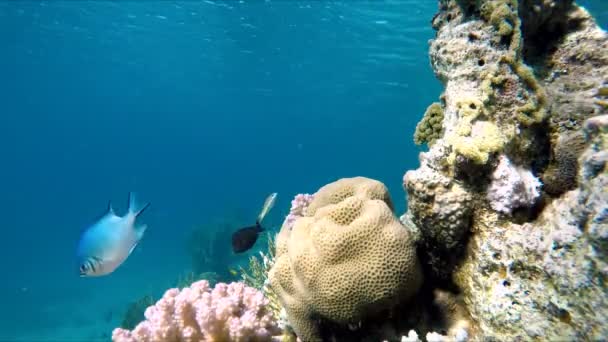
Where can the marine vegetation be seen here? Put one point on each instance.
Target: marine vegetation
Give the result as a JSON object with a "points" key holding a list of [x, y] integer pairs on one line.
{"points": [[135, 312], [209, 249], [256, 274]]}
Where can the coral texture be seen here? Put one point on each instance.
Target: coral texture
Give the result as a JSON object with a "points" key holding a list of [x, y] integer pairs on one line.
{"points": [[438, 205], [227, 312], [299, 203], [521, 78], [544, 279], [512, 187], [348, 257], [561, 174], [430, 127]]}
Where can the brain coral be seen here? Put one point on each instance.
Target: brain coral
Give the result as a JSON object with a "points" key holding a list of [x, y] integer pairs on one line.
{"points": [[562, 172], [347, 257]]}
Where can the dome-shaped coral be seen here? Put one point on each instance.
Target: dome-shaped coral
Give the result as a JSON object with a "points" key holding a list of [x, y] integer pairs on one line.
{"points": [[430, 127], [348, 257]]}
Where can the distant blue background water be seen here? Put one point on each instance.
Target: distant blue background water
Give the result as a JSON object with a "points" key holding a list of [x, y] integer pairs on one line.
{"points": [[203, 108]]}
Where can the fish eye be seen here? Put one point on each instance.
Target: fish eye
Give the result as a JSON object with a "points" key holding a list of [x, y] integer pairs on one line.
{"points": [[83, 268]]}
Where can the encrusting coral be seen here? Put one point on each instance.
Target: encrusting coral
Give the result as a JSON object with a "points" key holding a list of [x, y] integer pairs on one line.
{"points": [[561, 174], [512, 187], [544, 279], [346, 258]]}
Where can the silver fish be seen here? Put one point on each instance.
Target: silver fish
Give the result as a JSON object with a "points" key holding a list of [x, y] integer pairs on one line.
{"points": [[106, 244]]}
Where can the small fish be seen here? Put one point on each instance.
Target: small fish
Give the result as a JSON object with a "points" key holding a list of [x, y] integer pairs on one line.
{"points": [[244, 238], [108, 242]]}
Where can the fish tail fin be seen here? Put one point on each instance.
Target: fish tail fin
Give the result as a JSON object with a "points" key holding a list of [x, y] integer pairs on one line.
{"points": [[258, 225], [268, 204], [133, 208]]}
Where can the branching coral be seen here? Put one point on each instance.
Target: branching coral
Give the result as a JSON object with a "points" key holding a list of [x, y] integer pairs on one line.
{"points": [[227, 312]]}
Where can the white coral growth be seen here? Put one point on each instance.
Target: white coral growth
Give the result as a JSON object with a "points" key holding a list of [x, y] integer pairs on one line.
{"points": [[512, 187]]}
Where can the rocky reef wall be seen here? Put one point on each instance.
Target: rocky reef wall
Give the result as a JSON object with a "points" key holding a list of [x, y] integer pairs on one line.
{"points": [[511, 200]]}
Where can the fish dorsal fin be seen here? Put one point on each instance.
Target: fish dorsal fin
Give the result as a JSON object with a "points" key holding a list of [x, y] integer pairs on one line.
{"points": [[268, 204]]}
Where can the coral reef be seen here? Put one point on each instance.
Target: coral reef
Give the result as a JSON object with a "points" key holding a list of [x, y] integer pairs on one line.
{"points": [[561, 174], [511, 200], [347, 258], [204, 243], [298, 205], [545, 279], [430, 128], [506, 233], [227, 312], [135, 312], [440, 208], [256, 275], [512, 187]]}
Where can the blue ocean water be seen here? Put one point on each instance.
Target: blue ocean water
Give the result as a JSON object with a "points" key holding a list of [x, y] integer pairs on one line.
{"points": [[203, 108]]}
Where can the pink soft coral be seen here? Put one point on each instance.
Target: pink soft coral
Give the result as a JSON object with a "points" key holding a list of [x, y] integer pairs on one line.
{"points": [[227, 312]]}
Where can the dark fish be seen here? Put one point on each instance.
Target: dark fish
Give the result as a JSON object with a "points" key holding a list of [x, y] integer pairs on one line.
{"points": [[244, 238]]}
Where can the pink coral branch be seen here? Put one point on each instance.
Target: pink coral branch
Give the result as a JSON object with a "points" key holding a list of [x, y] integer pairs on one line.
{"points": [[227, 312]]}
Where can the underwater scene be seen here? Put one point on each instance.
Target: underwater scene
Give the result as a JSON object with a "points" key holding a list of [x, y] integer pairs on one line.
{"points": [[285, 170]]}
